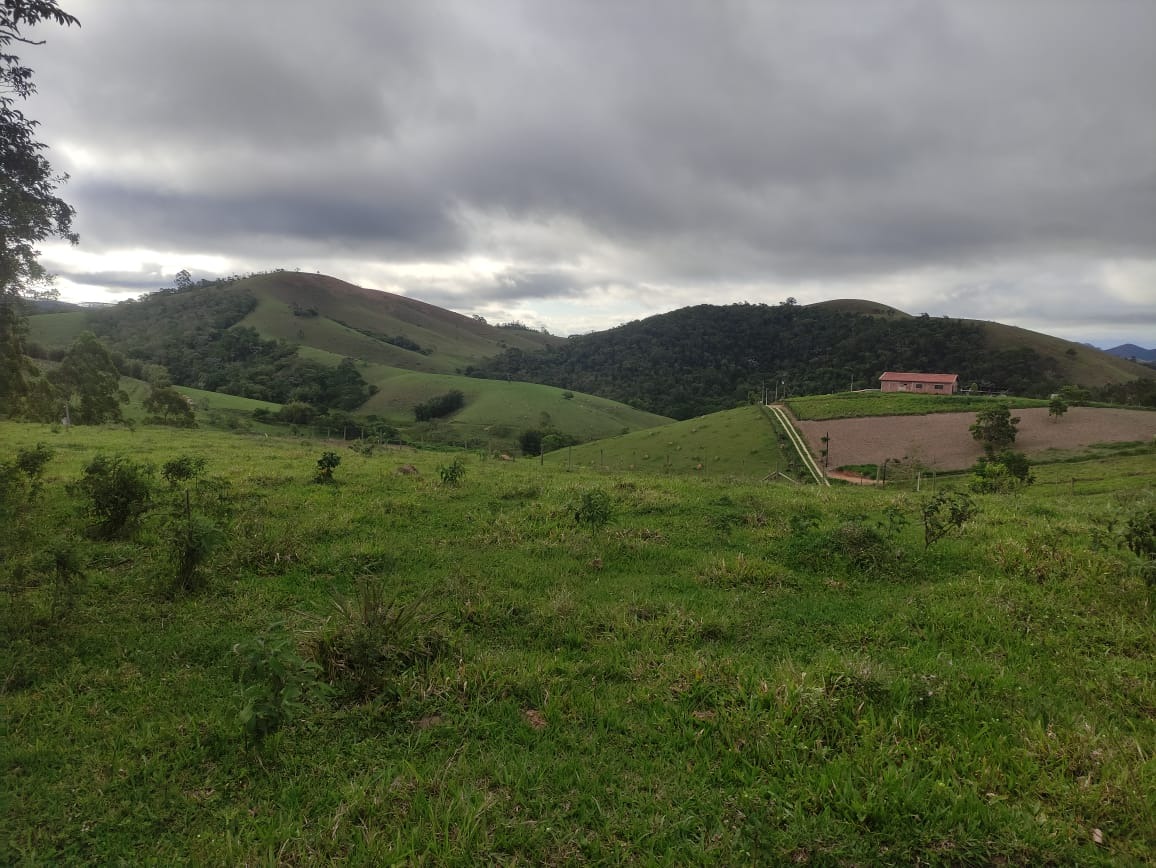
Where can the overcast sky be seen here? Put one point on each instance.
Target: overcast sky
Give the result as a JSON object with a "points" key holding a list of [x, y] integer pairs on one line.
{"points": [[580, 164]]}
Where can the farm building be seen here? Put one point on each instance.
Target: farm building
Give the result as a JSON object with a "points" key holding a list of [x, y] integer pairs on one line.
{"points": [[928, 384]]}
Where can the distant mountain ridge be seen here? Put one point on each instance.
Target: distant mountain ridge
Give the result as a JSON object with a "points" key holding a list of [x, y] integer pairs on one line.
{"points": [[684, 363], [1131, 351]]}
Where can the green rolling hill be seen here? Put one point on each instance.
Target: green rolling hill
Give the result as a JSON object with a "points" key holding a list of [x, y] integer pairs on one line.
{"points": [[742, 442], [272, 336], [705, 358], [407, 350]]}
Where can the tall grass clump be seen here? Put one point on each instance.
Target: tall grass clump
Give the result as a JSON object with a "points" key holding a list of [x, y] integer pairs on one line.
{"points": [[370, 638]]}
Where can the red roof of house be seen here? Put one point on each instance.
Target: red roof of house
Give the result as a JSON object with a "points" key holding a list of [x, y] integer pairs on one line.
{"points": [[919, 378]]}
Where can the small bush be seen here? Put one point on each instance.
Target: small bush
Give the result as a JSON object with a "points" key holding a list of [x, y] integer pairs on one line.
{"points": [[182, 469], [275, 682], [31, 462], [190, 540], [1138, 535], [362, 447], [453, 473], [1001, 474], [119, 493], [594, 509], [861, 544], [946, 512], [326, 464], [369, 640], [20, 478]]}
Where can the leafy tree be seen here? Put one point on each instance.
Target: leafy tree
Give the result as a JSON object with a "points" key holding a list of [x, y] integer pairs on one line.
{"points": [[88, 376], [1074, 394], [1057, 408], [183, 280], [530, 441], [30, 210], [995, 428], [945, 512], [170, 407]]}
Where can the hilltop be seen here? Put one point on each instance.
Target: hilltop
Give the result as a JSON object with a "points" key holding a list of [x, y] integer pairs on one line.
{"points": [[681, 364], [288, 336], [701, 359]]}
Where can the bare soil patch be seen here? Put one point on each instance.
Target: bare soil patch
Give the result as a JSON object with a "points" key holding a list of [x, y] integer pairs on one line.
{"points": [[943, 441]]}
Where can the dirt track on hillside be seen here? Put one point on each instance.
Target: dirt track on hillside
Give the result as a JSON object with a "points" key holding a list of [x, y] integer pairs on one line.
{"points": [[943, 441]]}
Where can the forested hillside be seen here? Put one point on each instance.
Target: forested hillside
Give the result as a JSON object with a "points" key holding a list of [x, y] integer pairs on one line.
{"points": [[702, 359], [191, 334]]}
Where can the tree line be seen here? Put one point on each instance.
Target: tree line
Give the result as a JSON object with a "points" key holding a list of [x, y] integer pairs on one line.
{"points": [[702, 359]]}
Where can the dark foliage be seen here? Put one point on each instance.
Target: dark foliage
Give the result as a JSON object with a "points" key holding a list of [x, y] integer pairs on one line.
{"points": [[1135, 393], [439, 406], [194, 334], [995, 429], [118, 492], [30, 210], [707, 358]]}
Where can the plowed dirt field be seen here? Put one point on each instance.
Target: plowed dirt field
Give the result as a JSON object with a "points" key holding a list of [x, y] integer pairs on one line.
{"points": [[943, 441]]}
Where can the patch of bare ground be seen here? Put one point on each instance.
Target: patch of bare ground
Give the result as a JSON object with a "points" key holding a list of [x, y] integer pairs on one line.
{"points": [[943, 441]]}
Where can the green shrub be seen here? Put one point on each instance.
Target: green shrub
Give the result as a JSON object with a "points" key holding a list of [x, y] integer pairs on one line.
{"points": [[20, 478], [1001, 474], [594, 509], [439, 406], [1138, 535], [946, 512], [119, 493], [326, 464], [182, 469], [452, 474], [862, 545], [190, 540], [275, 682], [31, 462]]}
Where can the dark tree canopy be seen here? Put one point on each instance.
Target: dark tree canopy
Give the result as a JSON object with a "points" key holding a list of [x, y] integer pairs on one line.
{"points": [[89, 381], [30, 210]]}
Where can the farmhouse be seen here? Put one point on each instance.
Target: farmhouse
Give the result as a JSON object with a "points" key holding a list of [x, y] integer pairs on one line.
{"points": [[929, 384]]}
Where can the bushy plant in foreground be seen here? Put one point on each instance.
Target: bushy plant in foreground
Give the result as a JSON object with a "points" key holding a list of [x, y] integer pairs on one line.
{"points": [[20, 478], [594, 509], [370, 639], [275, 682], [452, 473], [1138, 535], [947, 512], [118, 491], [190, 539]]}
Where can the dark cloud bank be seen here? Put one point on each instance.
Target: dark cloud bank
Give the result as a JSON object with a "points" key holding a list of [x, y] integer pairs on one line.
{"points": [[964, 157]]}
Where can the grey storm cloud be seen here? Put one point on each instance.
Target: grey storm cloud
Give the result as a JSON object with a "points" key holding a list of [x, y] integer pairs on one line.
{"points": [[689, 144]]}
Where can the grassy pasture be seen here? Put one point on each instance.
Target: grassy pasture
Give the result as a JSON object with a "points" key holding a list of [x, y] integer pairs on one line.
{"points": [[57, 330], [725, 671], [498, 404], [846, 405], [740, 442]]}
